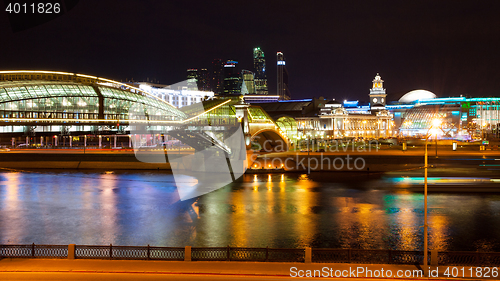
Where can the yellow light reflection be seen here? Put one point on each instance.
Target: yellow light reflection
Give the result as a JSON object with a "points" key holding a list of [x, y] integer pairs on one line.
{"points": [[109, 218], [407, 219], [438, 227], [269, 183], [255, 183], [12, 185], [304, 221], [282, 183]]}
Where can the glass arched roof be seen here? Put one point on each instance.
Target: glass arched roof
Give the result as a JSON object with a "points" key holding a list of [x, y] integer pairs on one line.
{"points": [[68, 89]]}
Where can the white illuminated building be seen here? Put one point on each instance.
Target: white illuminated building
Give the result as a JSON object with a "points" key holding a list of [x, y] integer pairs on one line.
{"points": [[417, 95], [177, 94]]}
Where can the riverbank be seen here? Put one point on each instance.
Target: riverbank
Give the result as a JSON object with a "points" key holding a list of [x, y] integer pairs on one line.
{"points": [[76, 159], [383, 160]]}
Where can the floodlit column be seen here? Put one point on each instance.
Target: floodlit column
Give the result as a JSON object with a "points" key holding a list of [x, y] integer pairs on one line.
{"points": [[41, 141], [85, 141], [55, 138], [115, 142], [129, 141], [100, 141], [70, 141]]}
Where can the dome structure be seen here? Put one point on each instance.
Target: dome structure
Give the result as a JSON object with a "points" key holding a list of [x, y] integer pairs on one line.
{"points": [[416, 95]]}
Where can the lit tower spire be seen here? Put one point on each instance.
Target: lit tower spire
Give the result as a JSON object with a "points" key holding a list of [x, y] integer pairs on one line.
{"points": [[283, 90], [377, 94], [378, 82]]}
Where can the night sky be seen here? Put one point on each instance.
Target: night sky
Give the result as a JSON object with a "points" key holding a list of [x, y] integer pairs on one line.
{"points": [[333, 48]]}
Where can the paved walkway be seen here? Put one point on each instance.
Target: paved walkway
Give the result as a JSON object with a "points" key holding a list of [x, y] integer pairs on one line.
{"points": [[10, 268]]}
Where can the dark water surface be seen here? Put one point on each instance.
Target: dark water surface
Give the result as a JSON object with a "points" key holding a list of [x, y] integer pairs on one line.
{"points": [[319, 210]]}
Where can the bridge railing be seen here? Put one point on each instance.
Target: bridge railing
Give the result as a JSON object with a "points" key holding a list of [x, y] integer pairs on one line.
{"points": [[34, 251], [363, 256], [247, 254]]}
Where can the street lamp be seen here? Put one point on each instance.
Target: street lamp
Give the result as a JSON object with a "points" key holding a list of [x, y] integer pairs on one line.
{"points": [[435, 123]]}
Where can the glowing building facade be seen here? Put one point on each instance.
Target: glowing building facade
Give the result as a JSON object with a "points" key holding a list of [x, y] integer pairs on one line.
{"points": [[38, 107], [248, 85], [232, 79], [178, 96], [192, 79], [259, 63]]}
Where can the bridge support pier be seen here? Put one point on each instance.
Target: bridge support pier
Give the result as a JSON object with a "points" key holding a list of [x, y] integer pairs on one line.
{"points": [[208, 160]]}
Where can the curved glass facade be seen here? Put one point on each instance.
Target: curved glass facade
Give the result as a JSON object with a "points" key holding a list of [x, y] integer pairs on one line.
{"points": [[288, 125], [39, 99]]}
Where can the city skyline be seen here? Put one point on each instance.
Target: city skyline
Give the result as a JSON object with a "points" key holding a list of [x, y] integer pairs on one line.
{"points": [[446, 47], [236, 79], [166, 138]]}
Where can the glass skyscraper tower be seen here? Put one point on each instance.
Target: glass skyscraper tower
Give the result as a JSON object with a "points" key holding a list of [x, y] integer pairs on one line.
{"points": [[259, 63], [217, 83], [232, 81]]}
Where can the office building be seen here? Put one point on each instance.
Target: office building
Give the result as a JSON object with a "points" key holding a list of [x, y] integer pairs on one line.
{"points": [[232, 79], [192, 79], [217, 79], [282, 85], [259, 64], [248, 85], [203, 80]]}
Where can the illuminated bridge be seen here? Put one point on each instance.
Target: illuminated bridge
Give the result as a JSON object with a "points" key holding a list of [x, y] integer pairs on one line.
{"points": [[47, 108]]}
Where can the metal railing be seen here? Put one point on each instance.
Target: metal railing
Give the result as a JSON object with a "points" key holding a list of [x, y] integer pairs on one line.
{"points": [[469, 258], [129, 252], [247, 254], [366, 256], [34, 251], [244, 254]]}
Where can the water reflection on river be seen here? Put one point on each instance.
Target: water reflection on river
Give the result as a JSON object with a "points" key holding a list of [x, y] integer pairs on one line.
{"points": [[320, 210]]}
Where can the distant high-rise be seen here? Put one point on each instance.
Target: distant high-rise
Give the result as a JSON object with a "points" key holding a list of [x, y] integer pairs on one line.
{"points": [[203, 80], [192, 79], [232, 85], [259, 63], [248, 85], [217, 79], [283, 90]]}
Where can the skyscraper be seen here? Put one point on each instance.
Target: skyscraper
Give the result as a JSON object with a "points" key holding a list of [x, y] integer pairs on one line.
{"points": [[203, 80], [232, 81], [248, 84], [283, 90], [259, 63], [192, 79], [217, 79]]}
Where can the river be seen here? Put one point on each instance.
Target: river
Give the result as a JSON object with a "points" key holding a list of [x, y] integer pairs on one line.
{"points": [[320, 210]]}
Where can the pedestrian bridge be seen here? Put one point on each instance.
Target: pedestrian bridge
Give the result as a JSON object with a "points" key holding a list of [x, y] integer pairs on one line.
{"points": [[223, 117]]}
